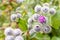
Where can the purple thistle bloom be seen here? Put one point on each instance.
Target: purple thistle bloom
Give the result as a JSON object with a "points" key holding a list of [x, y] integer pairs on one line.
{"points": [[42, 19]]}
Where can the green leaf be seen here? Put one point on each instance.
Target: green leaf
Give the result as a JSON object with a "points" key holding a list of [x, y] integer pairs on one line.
{"points": [[55, 38], [46, 37], [33, 39], [40, 36], [22, 24], [3, 7], [55, 20], [2, 19]]}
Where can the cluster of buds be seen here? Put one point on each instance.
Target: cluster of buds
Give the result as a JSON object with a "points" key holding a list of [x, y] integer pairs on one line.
{"points": [[13, 34], [38, 21], [15, 16], [38, 24], [45, 9]]}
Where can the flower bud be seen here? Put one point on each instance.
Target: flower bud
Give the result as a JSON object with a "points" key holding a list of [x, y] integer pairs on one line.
{"points": [[19, 38], [32, 31], [52, 11], [37, 28], [47, 29], [35, 17], [30, 21], [29, 26], [13, 17], [19, 15], [9, 38], [37, 8], [17, 32], [8, 31], [45, 9]]}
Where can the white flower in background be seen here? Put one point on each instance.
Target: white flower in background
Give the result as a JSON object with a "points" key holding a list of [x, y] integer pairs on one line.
{"points": [[37, 8], [45, 9], [46, 4], [8, 31], [19, 1], [35, 17], [13, 17], [19, 38], [47, 29], [19, 15], [32, 31], [37, 28], [17, 32], [30, 21], [52, 11], [9, 38]]}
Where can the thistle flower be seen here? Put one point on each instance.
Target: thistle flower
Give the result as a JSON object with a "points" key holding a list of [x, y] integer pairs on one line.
{"points": [[19, 38], [47, 29], [52, 11], [13, 17], [17, 32], [46, 4], [45, 9], [30, 21], [37, 28], [37, 8], [8, 31], [35, 17], [9, 38], [19, 1], [42, 19], [18, 15]]}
